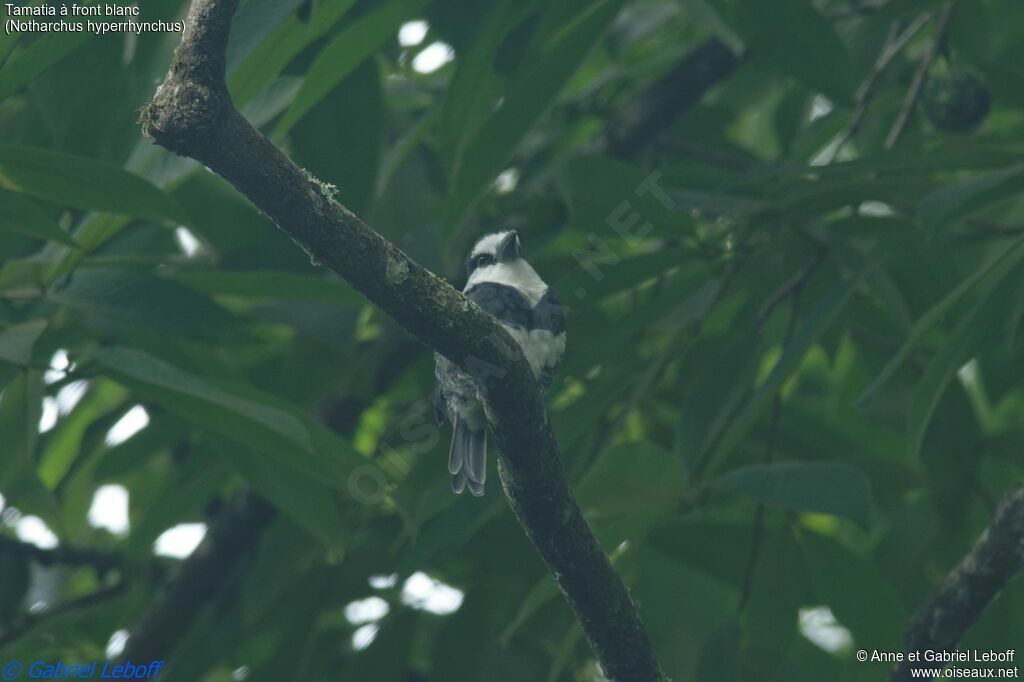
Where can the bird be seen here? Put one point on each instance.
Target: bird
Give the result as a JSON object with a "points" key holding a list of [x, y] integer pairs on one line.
{"points": [[500, 281]]}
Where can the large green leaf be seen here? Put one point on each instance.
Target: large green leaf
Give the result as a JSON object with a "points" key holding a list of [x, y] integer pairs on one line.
{"points": [[792, 35], [308, 501], [825, 487], [629, 489], [983, 322], [960, 199], [475, 84], [42, 54], [343, 54], [236, 412], [64, 444], [20, 410], [817, 322], [991, 272], [17, 341], [530, 95], [254, 21], [19, 214], [270, 284], [858, 594], [84, 183], [123, 297], [271, 56]]}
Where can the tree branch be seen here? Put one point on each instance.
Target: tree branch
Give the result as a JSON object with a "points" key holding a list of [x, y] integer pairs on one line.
{"points": [[960, 599], [894, 44], [921, 75], [192, 115], [32, 619], [228, 544], [658, 106]]}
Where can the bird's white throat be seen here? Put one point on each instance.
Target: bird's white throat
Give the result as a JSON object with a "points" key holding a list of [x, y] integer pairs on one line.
{"points": [[517, 274]]}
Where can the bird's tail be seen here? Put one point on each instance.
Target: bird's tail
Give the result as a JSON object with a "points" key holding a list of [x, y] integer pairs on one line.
{"points": [[467, 459]]}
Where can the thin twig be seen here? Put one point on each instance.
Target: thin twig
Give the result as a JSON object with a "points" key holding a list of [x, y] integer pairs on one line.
{"points": [[927, 59], [32, 619], [789, 288], [894, 44], [757, 540]]}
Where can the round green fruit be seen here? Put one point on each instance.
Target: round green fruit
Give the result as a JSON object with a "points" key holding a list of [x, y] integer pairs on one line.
{"points": [[955, 100]]}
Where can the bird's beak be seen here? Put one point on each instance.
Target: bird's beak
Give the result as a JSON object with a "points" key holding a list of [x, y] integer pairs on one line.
{"points": [[509, 247]]}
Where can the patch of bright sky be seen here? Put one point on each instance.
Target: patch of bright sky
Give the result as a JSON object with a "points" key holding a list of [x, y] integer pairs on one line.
{"points": [[133, 421], [33, 530], [116, 644], [109, 509], [180, 541], [433, 57], [821, 628], [187, 242], [364, 636], [367, 610], [412, 33], [423, 592]]}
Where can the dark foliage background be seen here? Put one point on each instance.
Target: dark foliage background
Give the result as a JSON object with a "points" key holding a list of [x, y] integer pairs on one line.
{"points": [[793, 386]]}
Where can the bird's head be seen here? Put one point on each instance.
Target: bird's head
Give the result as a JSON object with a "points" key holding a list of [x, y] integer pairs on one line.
{"points": [[499, 247]]}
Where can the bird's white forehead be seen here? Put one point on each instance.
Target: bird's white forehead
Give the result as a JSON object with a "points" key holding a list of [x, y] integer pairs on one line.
{"points": [[488, 243]]}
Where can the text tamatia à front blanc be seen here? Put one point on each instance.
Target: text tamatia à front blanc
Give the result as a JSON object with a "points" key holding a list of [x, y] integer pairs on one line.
{"points": [[72, 11]]}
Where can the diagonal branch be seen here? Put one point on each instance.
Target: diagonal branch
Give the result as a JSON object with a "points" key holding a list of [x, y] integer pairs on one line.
{"points": [[961, 598], [658, 106], [192, 115], [29, 621]]}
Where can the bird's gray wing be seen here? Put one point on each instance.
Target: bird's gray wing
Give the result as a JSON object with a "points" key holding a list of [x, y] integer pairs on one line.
{"points": [[549, 315], [506, 303]]}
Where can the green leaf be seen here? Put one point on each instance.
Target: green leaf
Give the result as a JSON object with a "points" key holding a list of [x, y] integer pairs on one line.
{"points": [[993, 271], [20, 410], [858, 594], [254, 21], [21, 215], [963, 198], [17, 341], [719, 656], [532, 93], [988, 315], [724, 374], [270, 285], [540, 594], [475, 85], [308, 501], [14, 584], [119, 297], [64, 444], [347, 51], [810, 330], [43, 53], [272, 55], [84, 183], [823, 487], [237, 412], [635, 481], [795, 37]]}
